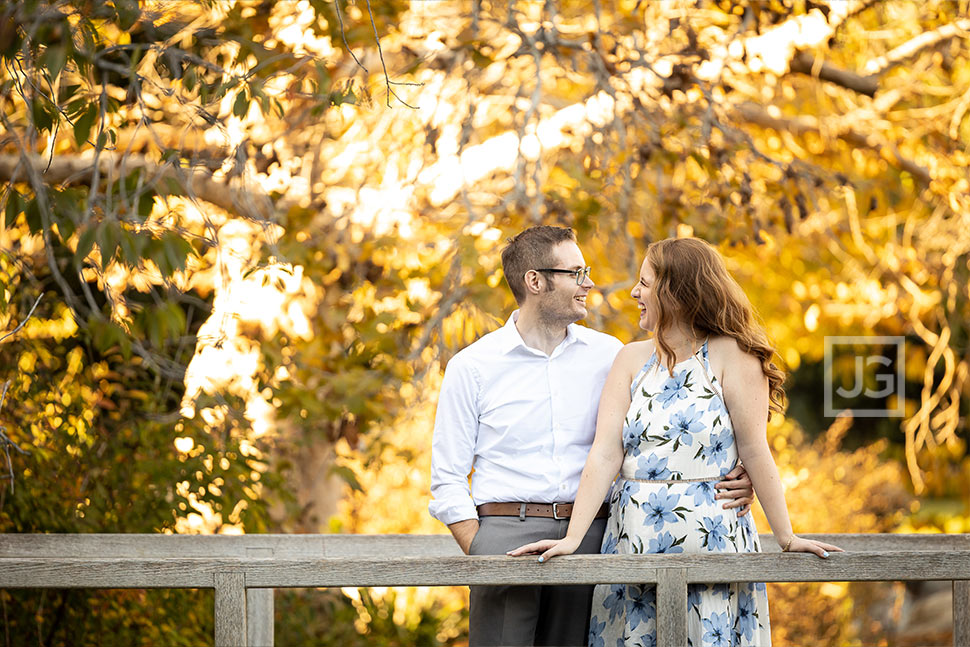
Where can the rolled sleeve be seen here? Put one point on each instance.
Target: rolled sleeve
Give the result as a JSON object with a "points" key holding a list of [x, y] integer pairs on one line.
{"points": [[453, 444]]}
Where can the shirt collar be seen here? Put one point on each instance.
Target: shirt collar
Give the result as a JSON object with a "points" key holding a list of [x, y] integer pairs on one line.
{"points": [[511, 339]]}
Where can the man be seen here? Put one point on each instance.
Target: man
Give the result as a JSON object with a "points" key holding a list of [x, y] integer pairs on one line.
{"points": [[519, 406]]}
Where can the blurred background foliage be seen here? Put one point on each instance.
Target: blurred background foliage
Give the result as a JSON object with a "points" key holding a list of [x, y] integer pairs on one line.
{"points": [[243, 239]]}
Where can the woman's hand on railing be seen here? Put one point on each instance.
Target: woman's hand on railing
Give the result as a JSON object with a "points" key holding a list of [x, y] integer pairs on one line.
{"points": [[547, 548], [796, 544]]}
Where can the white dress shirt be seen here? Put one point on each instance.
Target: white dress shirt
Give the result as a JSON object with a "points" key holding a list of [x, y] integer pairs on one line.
{"points": [[522, 419]]}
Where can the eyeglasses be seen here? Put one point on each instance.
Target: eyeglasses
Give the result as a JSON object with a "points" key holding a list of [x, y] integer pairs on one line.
{"points": [[581, 274]]}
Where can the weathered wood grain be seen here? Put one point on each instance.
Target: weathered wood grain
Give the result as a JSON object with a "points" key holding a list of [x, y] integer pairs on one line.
{"points": [[109, 573], [961, 613], [230, 609], [244, 570], [259, 617], [672, 606], [285, 546], [49, 572], [316, 546], [259, 606]]}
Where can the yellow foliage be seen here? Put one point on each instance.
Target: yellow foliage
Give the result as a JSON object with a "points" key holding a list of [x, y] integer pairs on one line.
{"points": [[831, 490], [394, 495]]}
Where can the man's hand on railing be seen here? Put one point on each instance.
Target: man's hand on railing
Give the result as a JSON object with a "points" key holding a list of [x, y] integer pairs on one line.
{"points": [[547, 548], [796, 544]]}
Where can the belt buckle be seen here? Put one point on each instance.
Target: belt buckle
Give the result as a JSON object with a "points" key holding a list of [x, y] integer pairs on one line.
{"points": [[555, 513]]}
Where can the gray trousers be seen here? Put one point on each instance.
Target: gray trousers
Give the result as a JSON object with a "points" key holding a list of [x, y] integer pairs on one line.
{"points": [[529, 615]]}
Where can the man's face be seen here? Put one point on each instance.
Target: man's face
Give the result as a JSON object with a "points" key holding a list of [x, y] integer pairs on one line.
{"points": [[563, 299]]}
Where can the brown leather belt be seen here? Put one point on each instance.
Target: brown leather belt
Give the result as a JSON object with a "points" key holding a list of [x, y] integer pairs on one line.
{"points": [[523, 510]]}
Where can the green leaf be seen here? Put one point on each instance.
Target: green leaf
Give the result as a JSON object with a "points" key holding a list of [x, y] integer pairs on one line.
{"points": [[128, 13], [241, 105], [189, 79], [15, 205], [129, 251], [32, 214], [84, 245], [43, 114], [129, 183], [145, 203], [108, 242], [104, 138], [75, 107], [348, 476], [176, 250], [155, 251], [82, 126], [66, 211], [172, 318], [54, 59]]}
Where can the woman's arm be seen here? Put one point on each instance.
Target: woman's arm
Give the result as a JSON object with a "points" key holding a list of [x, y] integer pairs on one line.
{"points": [[604, 460], [746, 398]]}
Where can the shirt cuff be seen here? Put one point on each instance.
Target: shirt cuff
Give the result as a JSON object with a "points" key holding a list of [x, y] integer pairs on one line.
{"points": [[453, 509]]}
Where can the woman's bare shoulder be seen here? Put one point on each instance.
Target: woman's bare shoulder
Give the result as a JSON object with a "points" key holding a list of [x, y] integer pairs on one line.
{"points": [[635, 354], [723, 346], [725, 351]]}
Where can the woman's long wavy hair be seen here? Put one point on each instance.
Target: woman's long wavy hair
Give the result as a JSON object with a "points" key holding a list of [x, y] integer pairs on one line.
{"points": [[693, 286]]}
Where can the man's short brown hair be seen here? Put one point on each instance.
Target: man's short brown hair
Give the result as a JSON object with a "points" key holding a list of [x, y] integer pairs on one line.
{"points": [[531, 250]]}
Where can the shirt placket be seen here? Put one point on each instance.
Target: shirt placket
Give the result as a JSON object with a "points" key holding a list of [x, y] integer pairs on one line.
{"points": [[556, 391]]}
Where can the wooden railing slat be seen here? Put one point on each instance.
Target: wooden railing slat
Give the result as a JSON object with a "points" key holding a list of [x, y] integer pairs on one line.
{"points": [[230, 609], [245, 569], [484, 569], [961, 613], [671, 606], [318, 546], [259, 605]]}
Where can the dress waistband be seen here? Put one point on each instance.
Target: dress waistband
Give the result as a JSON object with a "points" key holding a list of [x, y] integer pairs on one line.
{"points": [[672, 481]]}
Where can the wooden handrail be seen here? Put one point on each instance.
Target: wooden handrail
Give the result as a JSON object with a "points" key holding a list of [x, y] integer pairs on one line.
{"points": [[243, 569]]}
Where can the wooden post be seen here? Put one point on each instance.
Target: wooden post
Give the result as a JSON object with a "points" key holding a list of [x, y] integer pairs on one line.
{"points": [[671, 606], [259, 607], [230, 609], [259, 621], [961, 613]]}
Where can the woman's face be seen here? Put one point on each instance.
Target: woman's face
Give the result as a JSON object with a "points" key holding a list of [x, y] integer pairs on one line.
{"points": [[642, 292]]}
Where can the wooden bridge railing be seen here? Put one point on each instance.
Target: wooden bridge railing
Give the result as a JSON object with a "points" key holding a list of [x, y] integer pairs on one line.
{"points": [[244, 569]]}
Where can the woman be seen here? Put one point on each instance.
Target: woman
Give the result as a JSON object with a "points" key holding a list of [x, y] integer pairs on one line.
{"points": [[676, 414]]}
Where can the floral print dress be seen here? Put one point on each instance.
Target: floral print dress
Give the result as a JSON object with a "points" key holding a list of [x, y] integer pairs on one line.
{"points": [[678, 443]]}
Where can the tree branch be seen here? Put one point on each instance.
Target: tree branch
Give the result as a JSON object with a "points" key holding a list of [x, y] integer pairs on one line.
{"points": [[198, 182], [15, 330], [804, 125], [915, 45], [805, 63], [776, 46]]}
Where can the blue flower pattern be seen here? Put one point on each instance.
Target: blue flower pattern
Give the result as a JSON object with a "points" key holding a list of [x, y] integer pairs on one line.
{"points": [[717, 631], [641, 605], [664, 543], [653, 468], [677, 427], [659, 508], [702, 491], [718, 451], [684, 425], [673, 390]]}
